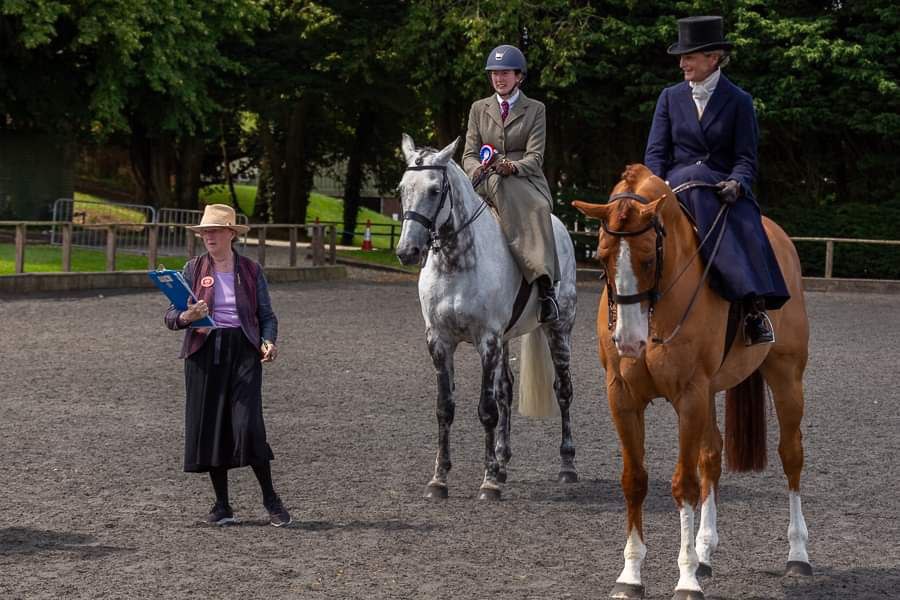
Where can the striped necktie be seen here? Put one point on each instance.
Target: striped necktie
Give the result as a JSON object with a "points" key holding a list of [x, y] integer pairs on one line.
{"points": [[504, 110]]}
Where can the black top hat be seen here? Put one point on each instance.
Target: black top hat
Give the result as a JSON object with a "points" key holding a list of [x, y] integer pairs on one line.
{"points": [[700, 33]]}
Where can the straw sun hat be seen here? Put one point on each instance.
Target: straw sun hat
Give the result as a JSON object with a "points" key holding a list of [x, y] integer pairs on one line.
{"points": [[219, 215]]}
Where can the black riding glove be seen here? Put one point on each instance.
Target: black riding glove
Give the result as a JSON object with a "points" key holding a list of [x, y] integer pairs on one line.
{"points": [[729, 191]]}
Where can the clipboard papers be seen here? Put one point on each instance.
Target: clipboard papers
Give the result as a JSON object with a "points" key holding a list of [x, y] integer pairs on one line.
{"points": [[172, 284]]}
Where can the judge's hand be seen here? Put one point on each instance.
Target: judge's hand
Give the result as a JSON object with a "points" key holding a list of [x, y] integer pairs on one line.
{"points": [[505, 168], [195, 311], [269, 351], [729, 191]]}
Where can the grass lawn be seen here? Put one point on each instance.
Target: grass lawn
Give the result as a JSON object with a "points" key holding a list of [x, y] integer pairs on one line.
{"points": [[218, 194], [380, 257], [48, 259], [98, 210], [324, 208]]}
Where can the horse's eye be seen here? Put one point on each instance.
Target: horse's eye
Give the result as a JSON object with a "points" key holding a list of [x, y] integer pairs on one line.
{"points": [[646, 265], [434, 191]]}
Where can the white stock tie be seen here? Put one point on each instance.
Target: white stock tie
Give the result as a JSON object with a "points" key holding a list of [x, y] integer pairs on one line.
{"points": [[701, 97]]}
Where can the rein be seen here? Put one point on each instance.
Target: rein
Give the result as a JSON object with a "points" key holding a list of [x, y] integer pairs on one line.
{"points": [[438, 240], [654, 295]]}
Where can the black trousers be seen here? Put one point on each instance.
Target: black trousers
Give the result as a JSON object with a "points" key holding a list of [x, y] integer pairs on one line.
{"points": [[223, 421]]}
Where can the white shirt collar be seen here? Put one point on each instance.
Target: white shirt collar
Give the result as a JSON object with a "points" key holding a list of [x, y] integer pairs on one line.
{"points": [[512, 99], [709, 84]]}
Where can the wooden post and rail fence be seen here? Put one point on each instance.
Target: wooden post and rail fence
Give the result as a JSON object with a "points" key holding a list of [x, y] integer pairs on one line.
{"points": [[322, 236], [323, 241]]}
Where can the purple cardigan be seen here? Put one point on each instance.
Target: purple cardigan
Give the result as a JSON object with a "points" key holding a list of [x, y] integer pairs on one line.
{"points": [[251, 294]]}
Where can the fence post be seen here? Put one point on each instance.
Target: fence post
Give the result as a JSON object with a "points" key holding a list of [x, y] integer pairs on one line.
{"points": [[20, 248], [332, 252], [111, 248], [66, 247], [261, 248], [317, 245], [152, 246], [829, 258], [391, 242], [293, 256], [191, 242]]}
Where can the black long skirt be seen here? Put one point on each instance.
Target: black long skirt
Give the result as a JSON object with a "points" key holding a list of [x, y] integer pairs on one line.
{"points": [[223, 421]]}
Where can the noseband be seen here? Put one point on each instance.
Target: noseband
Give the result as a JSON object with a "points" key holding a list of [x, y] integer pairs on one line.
{"points": [[429, 224], [412, 215]]}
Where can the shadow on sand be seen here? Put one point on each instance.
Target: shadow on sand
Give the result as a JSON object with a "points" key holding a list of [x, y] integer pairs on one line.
{"points": [[23, 541]]}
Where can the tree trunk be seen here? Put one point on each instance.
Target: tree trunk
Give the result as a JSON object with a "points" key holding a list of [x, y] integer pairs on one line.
{"points": [[274, 157], [226, 170], [187, 172], [151, 164], [295, 162], [354, 179]]}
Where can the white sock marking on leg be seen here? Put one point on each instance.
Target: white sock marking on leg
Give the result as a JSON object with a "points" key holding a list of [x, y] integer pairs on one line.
{"points": [[635, 551], [798, 535], [707, 536], [687, 557]]}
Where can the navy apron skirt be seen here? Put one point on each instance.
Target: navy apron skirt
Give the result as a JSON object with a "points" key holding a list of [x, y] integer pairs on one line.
{"points": [[745, 265]]}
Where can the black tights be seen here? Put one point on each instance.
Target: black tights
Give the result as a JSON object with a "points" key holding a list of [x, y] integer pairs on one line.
{"points": [[219, 477]]}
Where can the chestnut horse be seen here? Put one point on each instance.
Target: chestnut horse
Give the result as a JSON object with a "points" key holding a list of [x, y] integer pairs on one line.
{"points": [[666, 338]]}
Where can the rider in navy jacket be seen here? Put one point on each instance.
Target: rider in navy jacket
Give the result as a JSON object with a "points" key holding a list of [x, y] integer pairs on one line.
{"points": [[705, 129]]}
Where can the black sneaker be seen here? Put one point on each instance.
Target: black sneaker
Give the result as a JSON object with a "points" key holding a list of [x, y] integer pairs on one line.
{"points": [[758, 329], [278, 514], [220, 514]]}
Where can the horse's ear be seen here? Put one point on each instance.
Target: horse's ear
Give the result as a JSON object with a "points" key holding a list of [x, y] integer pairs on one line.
{"points": [[408, 147], [594, 211], [446, 153], [652, 208]]}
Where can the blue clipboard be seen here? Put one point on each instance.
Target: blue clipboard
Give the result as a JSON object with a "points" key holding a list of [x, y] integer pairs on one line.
{"points": [[172, 284]]}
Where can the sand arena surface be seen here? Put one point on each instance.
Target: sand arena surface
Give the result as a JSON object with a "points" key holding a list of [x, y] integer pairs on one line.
{"points": [[94, 503]]}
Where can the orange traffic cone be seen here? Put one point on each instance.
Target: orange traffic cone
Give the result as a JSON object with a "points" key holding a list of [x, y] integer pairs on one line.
{"points": [[367, 237]]}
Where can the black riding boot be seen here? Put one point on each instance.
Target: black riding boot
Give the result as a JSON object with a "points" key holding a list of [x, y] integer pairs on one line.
{"points": [[757, 326], [547, 296]]}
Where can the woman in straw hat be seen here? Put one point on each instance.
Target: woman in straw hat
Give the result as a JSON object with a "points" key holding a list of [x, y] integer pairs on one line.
{"points": [[704, 129], [224, 425]]}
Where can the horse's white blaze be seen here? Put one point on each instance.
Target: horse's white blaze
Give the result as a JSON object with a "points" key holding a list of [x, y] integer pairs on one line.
{"points": [[687, 556], [798, 535], [635, 551], [631, 319], [707, 536]]}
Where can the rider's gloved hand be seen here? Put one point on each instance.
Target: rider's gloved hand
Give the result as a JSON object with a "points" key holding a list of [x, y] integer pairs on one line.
{"points": [[505, 168], [729, 191]]}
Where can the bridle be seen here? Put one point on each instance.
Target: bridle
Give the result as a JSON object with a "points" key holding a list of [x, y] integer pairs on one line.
{"points": [[654, 295], [437, 240]]}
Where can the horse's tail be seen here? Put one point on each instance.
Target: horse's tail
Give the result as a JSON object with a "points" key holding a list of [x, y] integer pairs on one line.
{"points": [[536, 375], [745, 425]]}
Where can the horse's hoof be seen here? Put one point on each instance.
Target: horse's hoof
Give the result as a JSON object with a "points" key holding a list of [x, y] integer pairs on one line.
{"points": [[489, 494], [798, 568], [501, 477], [688, 595], [568, 477], [627, 591], [436, 492], [704, 570]]}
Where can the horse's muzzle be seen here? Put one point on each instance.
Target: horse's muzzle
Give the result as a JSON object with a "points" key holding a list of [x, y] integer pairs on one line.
{"points": [[409, 256], [630, 349]]}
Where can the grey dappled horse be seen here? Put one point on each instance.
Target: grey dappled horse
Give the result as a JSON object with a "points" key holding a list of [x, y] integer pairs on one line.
{"points": [[467, 288]]}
